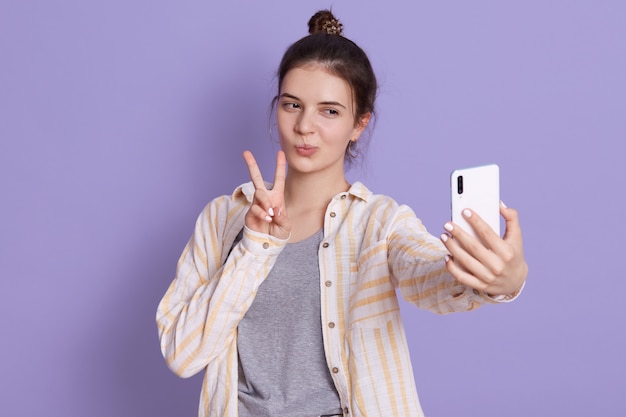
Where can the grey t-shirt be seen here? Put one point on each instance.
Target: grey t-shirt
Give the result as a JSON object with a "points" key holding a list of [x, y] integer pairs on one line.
{"points": [[282, 365]]}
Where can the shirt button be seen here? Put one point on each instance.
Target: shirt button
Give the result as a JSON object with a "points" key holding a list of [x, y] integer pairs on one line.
{"points": [[343, 196], [331, 325], [266, 245], [328, 283], [345, 410], [332, 214], [335, 370], [325, 245]]}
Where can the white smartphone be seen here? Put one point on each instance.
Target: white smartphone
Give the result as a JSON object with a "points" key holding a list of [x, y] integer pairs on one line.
{"points": [[477, 188]]}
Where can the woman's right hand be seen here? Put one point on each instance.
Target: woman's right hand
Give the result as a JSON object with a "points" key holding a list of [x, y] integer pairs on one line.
{"points": [[267, 213]]}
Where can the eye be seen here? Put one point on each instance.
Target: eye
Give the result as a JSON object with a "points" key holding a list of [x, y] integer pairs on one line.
{"points": [[290, 106], [331, 112]]}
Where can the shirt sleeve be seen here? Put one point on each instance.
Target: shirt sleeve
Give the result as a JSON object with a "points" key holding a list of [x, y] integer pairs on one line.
{"points": [[198, 316], [417, 265]]}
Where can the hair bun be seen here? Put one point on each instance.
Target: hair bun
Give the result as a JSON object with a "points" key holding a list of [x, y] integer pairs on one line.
{"points": [[324, 22]]}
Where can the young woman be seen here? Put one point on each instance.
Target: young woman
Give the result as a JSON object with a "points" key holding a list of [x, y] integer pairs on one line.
{"points": [[286, 295]]}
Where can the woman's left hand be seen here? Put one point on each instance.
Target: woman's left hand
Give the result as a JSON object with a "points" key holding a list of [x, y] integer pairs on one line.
{"points": [[488, 263]]}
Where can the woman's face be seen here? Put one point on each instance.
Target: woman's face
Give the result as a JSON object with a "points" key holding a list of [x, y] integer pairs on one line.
{"points": [[315, 118]]}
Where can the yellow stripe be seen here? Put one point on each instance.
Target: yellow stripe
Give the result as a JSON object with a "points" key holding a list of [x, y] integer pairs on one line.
{"points": [[385, 368], [380, 313], [371, 376], [373, 299], [395, 349]]}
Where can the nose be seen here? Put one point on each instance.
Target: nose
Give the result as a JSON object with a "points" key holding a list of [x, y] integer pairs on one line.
{"points": [[305, 123]]}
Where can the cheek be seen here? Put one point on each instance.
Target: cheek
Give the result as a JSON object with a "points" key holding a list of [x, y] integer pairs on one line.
{"points": [[283, 121], [341, 134], [283, 130]]}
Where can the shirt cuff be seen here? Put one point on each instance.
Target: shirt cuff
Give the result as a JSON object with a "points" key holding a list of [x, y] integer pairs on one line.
{"points": [[262, 243], [506, 298]]}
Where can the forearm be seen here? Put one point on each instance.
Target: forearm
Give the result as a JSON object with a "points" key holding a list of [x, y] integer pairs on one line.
{"points": [[417, 263], [197, 318]]}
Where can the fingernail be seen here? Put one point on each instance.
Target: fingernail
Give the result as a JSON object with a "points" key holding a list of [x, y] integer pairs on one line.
{"points": [[502, 204], [447, 258], [268, 218], [444, 237], [467, 213], [448, 227], [271, 212]]}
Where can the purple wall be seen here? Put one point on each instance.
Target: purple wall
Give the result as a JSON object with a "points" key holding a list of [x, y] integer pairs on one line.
{"points": [[119, 120]]}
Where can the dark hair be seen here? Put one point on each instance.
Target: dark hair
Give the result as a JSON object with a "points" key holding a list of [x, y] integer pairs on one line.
{"points": [[340, 56]]}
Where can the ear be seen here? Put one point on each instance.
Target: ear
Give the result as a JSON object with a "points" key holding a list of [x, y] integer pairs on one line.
{"points": [[361, 124]]}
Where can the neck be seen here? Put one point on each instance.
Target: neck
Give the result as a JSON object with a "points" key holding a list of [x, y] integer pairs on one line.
{"points": [[312, 191]]}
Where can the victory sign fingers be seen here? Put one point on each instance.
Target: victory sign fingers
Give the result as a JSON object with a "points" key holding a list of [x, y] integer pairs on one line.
{"points": [[267, 213]]}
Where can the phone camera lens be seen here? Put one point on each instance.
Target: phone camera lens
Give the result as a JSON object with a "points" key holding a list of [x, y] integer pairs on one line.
{"points": [[459, 184]]}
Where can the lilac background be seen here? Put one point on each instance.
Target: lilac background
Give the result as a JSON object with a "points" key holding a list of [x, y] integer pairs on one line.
{"points": [[119, 120]]}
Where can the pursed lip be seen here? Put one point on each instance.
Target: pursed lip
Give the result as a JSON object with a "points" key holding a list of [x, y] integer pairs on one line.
{"points": [[306, 150]]}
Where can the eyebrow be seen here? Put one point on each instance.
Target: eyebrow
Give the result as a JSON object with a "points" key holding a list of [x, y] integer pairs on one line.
{"points": [[324, 103]]}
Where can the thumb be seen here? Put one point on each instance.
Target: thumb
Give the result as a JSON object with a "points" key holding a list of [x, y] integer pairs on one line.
{"points": [[281, 219], [511, 218]]}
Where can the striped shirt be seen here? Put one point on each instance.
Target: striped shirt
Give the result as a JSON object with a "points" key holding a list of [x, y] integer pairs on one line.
{"points": [[372, 248]]}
